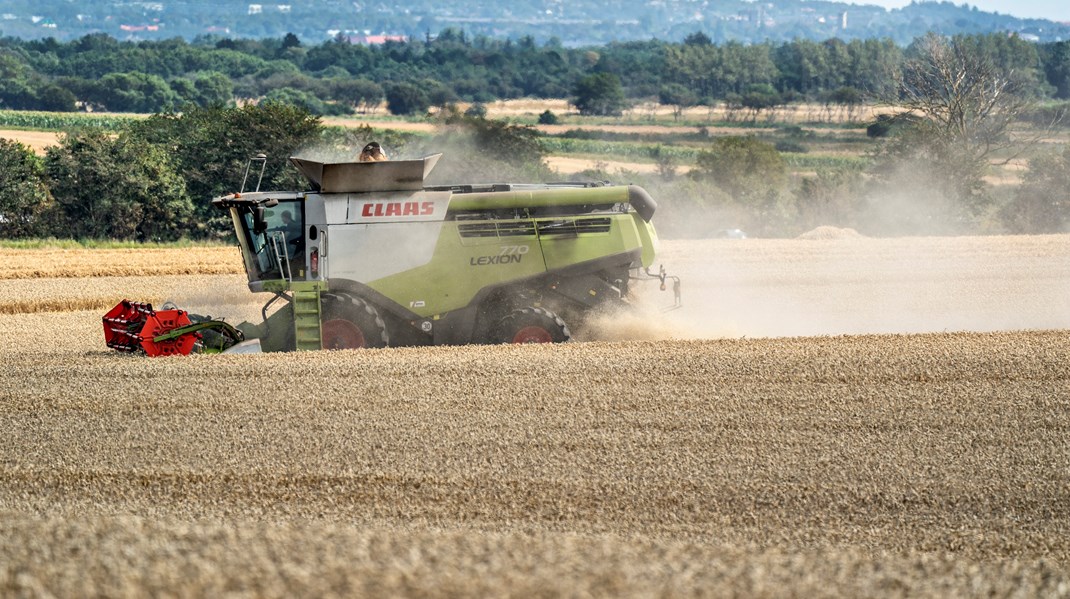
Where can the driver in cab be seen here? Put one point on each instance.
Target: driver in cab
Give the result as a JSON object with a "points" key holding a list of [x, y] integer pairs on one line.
{"points": [[292, 230]]}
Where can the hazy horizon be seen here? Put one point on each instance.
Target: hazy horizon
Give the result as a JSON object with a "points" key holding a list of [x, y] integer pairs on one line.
{"points": [[1055, 10]]}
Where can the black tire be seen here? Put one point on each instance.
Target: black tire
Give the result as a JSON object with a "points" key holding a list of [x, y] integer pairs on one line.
{"points": [[532, 325], [350, 323]]}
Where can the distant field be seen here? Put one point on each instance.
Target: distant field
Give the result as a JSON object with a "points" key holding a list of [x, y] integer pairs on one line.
{"points": [[830, 138], [40, 130]]}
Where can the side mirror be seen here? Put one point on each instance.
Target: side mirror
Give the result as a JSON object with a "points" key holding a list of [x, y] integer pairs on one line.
{"points": [[259, 221]]}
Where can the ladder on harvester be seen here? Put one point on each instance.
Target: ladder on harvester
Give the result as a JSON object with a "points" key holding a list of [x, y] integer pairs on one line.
{"points": [[306, 305]]}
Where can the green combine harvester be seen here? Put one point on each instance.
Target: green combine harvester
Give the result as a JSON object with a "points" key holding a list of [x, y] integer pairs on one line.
{"points": [[370, 257]]}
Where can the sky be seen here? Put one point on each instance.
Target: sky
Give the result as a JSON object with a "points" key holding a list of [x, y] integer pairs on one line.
{"points": [[1056, 10]]}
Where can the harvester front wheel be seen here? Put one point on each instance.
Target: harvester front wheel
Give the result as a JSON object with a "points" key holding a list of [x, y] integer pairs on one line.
{"points": [[350, 323], [532, 325]]}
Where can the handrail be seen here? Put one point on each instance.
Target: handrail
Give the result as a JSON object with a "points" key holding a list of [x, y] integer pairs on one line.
{"points": [[282, 257]]}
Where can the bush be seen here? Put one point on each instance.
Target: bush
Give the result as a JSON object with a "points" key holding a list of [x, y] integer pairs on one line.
{"points": [[791, 146], [306, 101], [599, 94], [476, 111], [117, 188], [24, 198], [1041, 204], [548, 118], [406, 99]]}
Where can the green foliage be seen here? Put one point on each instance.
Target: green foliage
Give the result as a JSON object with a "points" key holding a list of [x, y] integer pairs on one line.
{"points": [[712, 71], [1042, 203], [753, 178], [116, 188], [487, 150], [790, 145], [547, 117], [24, 199], [887, 124], [476, 111], [157, 75], [961, 96], [1055, 60], [212, 147], [406, 99], [831, 197], [133, 92], [679, 97], [204, 89], [599, 94], [750, 170], [306, 101], [361, 94], [48, 121]]}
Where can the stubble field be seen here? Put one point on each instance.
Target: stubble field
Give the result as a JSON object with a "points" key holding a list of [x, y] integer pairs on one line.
{"points": [[825, 417]]}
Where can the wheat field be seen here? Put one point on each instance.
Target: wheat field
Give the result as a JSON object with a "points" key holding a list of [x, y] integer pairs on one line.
{"points": [[773, 437]]}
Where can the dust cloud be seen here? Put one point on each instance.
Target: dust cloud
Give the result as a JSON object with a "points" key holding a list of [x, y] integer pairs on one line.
{"points": [[844, 284]]}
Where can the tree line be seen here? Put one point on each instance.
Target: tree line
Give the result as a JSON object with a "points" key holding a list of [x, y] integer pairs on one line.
{"points": [[97, 72], [152, 180], [955, 108]]}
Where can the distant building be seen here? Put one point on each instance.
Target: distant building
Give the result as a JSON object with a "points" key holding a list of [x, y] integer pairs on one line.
{"points": [[375, 40]]}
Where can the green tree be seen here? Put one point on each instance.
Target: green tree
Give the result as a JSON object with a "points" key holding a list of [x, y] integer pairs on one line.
{"points": [[547, 117], [1055, 59], [965, 102], [599, 94], [830, 197], [213, 88], [117, 188], [760, 97], [361, 94], [406, 98], [476, 111], [24, 199], [17, 94], [748, 169], [306, 101], [488, 149], [213, 145], [843, 102], [50, 97], [134, 92], [677, 96], [1042, 203]]}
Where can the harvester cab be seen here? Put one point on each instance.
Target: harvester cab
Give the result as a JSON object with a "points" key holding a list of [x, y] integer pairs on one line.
{"points": [[369, 256]]}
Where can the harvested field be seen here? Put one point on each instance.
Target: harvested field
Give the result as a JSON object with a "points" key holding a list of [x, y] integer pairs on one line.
{"points": [[79, 263], [929, 464], [35, 140]]}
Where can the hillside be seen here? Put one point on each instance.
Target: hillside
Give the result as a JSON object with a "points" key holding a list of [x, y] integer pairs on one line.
{"points": [[577, 23]]}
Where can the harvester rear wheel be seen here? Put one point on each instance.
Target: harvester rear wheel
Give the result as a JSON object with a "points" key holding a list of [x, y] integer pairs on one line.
{"points": [[350, 323], [532, 325]]}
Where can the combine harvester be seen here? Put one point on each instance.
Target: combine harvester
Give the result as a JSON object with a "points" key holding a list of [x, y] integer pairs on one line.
{"points": [[370, 257]]}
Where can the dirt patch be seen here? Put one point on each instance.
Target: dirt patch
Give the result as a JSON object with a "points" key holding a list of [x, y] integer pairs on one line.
{"points": [[827, 232], [35, 140]]}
